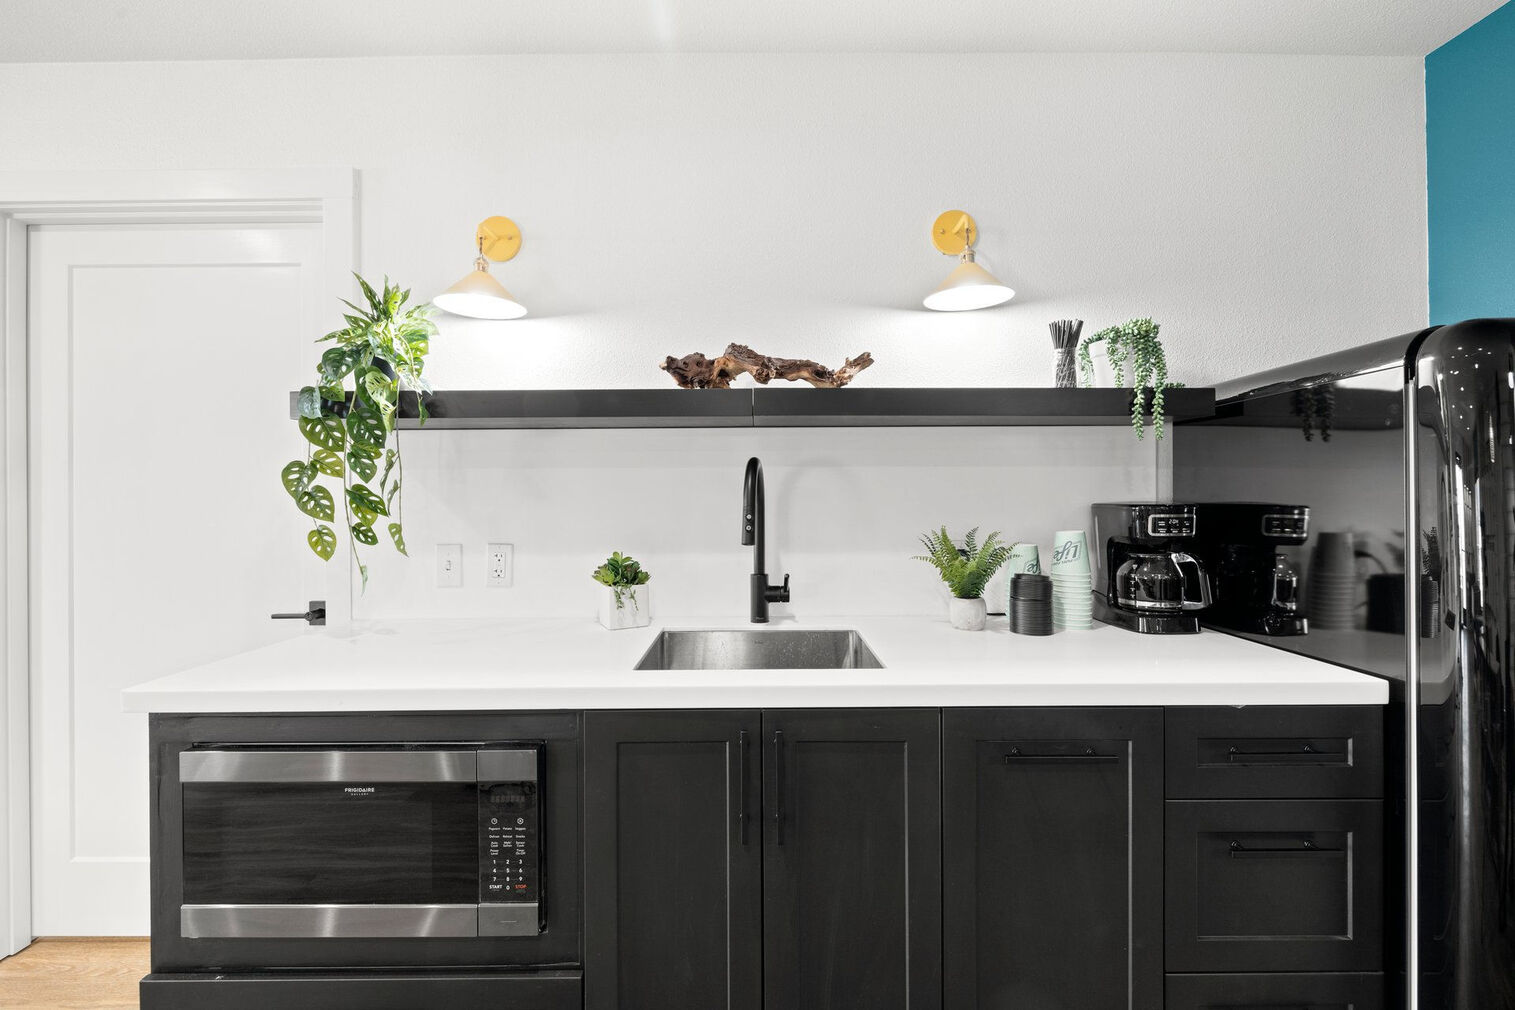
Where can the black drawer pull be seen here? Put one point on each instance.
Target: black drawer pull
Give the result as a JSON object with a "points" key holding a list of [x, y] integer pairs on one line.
{"points": [[1308, 755], [1088, 756], [1307, 850]]}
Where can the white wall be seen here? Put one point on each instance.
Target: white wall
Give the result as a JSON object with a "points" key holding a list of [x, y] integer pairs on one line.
{"points": [[845, 507], [1263, 208]]}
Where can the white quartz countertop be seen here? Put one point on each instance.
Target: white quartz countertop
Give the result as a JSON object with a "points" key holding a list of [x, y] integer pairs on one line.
{"points": [[576, 664]]}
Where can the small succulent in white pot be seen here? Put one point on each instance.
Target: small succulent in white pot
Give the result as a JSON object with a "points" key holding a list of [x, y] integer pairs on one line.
{"points": [[625, 597], [966, 570]]}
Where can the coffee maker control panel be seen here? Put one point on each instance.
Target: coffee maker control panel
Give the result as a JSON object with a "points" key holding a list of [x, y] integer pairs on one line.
{"points": [[1170, 524], [1286, 527]]}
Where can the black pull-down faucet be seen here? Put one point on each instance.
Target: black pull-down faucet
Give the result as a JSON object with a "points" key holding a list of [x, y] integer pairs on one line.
{"points": [[754, 533]]}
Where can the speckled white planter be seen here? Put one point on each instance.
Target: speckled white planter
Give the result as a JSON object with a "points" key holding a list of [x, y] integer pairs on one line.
{"points": [[967, 615], [633, 609], [1099, 357]]}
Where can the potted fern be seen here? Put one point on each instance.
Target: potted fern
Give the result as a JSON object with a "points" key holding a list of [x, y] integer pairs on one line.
{"points": [[1131, 347], [625, 598], [966, 570]]}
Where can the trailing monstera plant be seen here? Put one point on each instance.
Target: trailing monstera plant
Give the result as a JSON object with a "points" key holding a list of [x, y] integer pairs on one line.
{"points": [[348, 420]]}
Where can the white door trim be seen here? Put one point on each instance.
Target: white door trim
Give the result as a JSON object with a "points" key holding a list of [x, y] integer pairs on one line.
{"points": [[327, 196]]}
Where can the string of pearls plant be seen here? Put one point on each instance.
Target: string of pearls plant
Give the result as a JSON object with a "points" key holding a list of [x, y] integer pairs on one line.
{"points": [[1134, 344]]}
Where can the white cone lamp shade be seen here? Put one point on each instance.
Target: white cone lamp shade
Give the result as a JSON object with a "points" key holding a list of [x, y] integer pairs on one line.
{"points": [[968, 286], [480, 296]]}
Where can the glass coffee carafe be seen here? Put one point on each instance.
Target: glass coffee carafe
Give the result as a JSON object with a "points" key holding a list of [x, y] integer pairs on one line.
{"points": [[1155, 581], [1285, 581]]}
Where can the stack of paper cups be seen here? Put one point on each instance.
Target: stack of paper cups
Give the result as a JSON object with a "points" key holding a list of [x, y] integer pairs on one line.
{"points": [[1024, 559], [1072, 607], [1332, 596]]}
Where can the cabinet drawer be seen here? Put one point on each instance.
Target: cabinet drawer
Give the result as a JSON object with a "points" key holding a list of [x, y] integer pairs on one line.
{"points": [[458, 989], [1274, 885], [1321, 991], [1274, 752]]}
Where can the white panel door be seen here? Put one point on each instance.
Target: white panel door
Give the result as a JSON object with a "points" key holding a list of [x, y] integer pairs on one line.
{"points": [[160, 362]]}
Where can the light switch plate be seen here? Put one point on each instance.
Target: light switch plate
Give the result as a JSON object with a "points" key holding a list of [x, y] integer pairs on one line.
{"points": [[449, 566], [499, 565]]}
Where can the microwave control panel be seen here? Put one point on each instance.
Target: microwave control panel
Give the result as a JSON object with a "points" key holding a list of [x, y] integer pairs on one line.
{"points": [[510, 841]]}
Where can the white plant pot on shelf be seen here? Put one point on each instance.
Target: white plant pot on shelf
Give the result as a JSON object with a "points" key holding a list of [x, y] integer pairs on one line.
{"points": [[967, 615], [624, 607], [1099, 357]]}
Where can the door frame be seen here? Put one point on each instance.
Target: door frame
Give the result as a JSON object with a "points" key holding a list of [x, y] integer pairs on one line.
{"points": [[326, 196]]}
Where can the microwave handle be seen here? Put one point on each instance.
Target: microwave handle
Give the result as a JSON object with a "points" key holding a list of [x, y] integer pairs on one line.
{"points": [[211, 766]]}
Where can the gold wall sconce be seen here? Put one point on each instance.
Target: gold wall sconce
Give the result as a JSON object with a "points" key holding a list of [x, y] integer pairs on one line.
{"points": [[968, 286], [479, 295]]}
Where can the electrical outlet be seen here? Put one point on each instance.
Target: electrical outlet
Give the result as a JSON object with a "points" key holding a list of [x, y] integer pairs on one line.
{"points": [[449, 566], [499, 565]]}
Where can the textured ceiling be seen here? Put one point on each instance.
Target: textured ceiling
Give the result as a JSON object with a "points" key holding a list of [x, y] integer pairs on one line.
{"points": [[71, 30]]}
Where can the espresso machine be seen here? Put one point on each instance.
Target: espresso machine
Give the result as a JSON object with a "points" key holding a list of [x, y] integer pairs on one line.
{"points": [[1146, 577], [1256, 586]]}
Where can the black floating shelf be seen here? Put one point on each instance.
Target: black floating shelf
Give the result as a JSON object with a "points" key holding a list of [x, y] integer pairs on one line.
{"points": [[792, 408], [964, 406]]}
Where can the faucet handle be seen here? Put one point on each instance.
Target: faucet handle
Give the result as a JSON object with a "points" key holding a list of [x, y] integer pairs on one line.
{"points": [[779, 594]]}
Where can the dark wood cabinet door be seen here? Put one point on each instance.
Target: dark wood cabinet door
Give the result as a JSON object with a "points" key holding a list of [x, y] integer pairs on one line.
{"points": [[673, 861], [1052, 859], [852, 859]]}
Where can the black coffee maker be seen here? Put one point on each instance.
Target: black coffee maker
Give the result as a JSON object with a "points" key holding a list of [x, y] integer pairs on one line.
{"points": [[1146, 577], [1256, 587]]}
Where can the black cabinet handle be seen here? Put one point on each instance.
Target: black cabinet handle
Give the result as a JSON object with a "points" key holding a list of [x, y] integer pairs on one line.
{"points": [[1305, 851], [742, 800], [778, 786], [1305, 755], [1088, 756]]}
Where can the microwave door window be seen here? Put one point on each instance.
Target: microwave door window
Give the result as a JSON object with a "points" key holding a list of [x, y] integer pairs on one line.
{"points": [[331, 843]]}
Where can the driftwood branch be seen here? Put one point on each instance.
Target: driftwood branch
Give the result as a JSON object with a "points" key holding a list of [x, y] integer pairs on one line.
{"points": [[695, 371]]}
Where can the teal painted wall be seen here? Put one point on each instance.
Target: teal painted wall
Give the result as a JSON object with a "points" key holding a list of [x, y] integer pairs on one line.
{"points": [[1470, 171]]}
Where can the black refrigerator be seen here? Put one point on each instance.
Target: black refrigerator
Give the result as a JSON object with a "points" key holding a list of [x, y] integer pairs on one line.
{"points": [[1404, 450]]}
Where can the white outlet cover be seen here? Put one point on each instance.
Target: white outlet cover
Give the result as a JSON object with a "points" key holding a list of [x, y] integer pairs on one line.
{"points": [[499, 565], [449, 566]]}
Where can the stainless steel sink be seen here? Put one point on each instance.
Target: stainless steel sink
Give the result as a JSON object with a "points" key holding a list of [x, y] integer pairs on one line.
{"points": [[759, 650]]}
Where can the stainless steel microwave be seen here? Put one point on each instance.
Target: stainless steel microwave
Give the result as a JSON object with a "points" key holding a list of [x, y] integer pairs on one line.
{"points": [[362, 841]]}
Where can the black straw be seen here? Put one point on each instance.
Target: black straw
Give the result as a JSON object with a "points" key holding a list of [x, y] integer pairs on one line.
{"points": [[1065, 332]]}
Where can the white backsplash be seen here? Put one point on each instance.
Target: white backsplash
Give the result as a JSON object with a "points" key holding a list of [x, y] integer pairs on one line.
{"points": [[845, 507]]}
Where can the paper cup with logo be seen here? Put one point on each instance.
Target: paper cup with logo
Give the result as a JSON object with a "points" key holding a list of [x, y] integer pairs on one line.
{"points": [[1025, 559], [1070, 552]]}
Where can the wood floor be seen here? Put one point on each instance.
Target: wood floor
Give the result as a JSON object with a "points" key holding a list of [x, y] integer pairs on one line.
{"points": [[74, 974]]}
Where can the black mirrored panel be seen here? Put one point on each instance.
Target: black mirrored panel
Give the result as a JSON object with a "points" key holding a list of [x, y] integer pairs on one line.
{"points": [[1308, 550]]}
